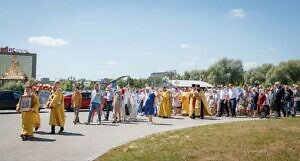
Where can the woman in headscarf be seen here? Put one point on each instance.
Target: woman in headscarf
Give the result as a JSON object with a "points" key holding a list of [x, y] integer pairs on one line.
{"points": [[149, 104]]}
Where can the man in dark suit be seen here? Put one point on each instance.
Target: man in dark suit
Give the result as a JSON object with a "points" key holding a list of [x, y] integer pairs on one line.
{"points": [[278, 99]]}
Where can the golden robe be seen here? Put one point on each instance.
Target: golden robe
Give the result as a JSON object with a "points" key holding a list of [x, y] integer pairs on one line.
{"points": [[29, 117], [185, 99], [37, 120], [165, 105], [57, 114], [193, 98], [201, 102]]}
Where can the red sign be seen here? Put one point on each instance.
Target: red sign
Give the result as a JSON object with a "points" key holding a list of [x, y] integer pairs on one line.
{"points": [[12, 50]]}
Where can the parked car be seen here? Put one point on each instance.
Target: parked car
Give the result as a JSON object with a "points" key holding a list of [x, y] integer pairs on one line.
{"points": [[9, 99], [86, 99]]}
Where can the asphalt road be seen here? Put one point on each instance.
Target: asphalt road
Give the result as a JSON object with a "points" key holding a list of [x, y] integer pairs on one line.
{"points": [[81, 142]]}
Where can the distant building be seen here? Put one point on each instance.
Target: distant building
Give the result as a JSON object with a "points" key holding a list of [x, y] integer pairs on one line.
{"points": [[45, 80], [16, 64]]}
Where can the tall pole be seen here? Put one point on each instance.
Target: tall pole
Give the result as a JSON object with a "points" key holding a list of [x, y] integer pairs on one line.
{"points": [[171, 90]]}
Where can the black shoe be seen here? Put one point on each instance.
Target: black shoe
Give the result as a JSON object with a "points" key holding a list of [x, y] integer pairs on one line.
{"points": [[23, 137], [61, 130], [52, 130], [36, 129], [192, 117]]}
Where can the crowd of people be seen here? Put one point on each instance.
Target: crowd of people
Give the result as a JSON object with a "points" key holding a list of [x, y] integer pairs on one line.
{"points": [[255, 101], [195, 102]]}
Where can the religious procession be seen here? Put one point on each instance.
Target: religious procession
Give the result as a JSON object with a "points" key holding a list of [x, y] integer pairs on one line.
{"points": [[125, 104]]}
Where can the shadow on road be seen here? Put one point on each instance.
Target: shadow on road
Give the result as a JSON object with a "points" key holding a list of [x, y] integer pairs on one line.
{"points": [[70, 134], [162, 124], [141, 120], [128, 122], [104, 124], [37, 139], [8, 112], [63, 133]]}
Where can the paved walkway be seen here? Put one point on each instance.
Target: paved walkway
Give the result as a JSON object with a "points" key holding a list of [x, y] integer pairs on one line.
{"points": [[82, 142]]}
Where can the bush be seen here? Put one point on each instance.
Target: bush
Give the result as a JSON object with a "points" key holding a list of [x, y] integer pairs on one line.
{"points": [[13, 85]]}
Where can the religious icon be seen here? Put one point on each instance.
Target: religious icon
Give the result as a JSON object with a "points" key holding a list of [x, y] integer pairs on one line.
{"points": [[44, 96], [25, 103]]}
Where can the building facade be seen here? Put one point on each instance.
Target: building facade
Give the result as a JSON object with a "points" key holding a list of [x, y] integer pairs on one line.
{"points": [[16, 64]]}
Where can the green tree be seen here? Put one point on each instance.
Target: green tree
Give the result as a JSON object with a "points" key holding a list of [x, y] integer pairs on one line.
{"points": [[66, 85], [186, 75], [195, 75], [13, 85], [257, 75], [293, 70], [286, 72], [139, 83], [226, 71], [125, 81], [203, 75]]}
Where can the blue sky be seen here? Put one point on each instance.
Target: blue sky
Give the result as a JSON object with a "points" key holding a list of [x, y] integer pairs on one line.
{"points": [[96, 39]]}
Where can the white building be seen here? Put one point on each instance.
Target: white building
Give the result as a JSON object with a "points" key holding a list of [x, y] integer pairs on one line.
{"points": [[188, 83]]}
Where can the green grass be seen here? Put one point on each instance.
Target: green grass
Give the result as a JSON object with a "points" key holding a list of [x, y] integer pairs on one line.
{"points": [[276, 139]]}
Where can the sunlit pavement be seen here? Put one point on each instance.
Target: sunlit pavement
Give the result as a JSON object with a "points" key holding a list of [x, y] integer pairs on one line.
{"points": [[82, 142]]}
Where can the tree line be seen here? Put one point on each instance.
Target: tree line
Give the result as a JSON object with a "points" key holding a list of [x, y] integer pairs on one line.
{"points": [[227, 71]]}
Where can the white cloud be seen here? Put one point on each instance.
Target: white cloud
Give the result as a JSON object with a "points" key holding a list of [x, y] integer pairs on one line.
{"points": [[111, 63], [184, 46], [190, 64], [272, 50], [249, 65], [47, 41], [188, 46], [237, 13]]}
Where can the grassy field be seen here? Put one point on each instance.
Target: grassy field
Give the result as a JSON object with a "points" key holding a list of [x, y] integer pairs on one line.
{"points": [[276, 139]]}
